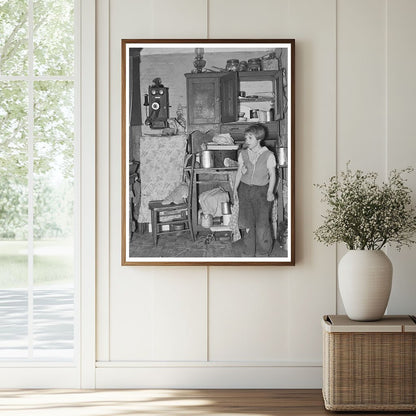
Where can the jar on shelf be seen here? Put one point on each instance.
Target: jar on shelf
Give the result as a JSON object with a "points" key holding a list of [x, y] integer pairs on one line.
{"points": [[254, 64], [243, 66], [232, 65]]}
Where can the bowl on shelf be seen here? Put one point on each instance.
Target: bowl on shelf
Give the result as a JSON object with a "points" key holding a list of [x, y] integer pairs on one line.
{"points": [[177, 227]]}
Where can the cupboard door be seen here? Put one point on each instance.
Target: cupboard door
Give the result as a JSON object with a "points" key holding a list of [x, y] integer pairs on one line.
{"points": [[203, 100], [229, 97]]}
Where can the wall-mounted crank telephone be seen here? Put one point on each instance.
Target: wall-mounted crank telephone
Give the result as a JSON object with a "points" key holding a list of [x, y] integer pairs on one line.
{"points": [[158, 102]]}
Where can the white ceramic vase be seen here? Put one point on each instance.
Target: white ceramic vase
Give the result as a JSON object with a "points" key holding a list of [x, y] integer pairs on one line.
{"points": [[364, 278]]}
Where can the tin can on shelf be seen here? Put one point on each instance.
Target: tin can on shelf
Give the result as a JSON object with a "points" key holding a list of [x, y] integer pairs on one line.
{"points": [[225, 208], [282, 156], [207, 159]]}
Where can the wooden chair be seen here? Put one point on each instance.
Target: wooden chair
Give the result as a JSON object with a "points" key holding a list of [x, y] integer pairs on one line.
{"points": [[176, 217]]}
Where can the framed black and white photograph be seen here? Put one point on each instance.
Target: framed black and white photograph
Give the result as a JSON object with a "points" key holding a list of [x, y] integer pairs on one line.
{"points": [[208, 152]]}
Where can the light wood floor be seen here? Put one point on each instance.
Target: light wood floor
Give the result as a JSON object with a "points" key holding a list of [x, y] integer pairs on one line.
{"points": [[165, 402]]}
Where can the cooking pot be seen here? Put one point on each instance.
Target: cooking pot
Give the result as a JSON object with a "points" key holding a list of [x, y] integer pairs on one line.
{"points": [[177, 227]]}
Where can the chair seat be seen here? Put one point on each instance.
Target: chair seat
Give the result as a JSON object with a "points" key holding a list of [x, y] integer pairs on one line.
{"points": [[158, 206], [165, 214]]}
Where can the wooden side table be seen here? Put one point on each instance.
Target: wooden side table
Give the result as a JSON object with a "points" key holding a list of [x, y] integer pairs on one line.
{"points": [[369, 366]]}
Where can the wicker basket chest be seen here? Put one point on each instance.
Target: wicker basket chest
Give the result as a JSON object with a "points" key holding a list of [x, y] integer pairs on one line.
{"points": [[369, 366]]}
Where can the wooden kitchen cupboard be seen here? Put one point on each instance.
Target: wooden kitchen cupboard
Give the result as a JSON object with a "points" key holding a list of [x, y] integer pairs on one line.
{"points": [[211, 99], [214, 102]]}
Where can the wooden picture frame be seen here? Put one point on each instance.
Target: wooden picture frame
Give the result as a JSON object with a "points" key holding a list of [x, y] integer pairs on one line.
{"points": [[186, 108]]}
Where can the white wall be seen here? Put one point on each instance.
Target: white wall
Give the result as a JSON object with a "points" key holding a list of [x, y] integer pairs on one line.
{"points": [[254, 326]]}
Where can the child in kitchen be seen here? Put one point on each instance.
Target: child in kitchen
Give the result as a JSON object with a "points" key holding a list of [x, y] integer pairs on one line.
{"points": [[254, 185]]}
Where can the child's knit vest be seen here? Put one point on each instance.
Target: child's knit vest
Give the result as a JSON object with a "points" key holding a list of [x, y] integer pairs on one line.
{"points": [[257, 174]]}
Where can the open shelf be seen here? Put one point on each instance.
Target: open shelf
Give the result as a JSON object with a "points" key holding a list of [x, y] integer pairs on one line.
{"points": [[255, 99]]}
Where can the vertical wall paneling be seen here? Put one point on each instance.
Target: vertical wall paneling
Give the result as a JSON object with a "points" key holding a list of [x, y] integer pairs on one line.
{"points": [[179, 324], [140, 328], [103, 191], [254, 315], [361, 84], [246, 326], [401, 138], [87, 193], [361, 88], [311, 282], [248, 306], [236, 19], [177, 19]]}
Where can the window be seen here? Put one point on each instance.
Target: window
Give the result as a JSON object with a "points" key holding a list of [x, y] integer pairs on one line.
{"points": [[38, 185]]}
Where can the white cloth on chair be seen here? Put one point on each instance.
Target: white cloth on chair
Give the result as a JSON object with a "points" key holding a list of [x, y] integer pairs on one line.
{"points": [[178, 195], [211, 201]]}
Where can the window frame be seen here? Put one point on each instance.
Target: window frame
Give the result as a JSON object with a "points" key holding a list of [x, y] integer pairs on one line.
{"points": [[81, 371]]}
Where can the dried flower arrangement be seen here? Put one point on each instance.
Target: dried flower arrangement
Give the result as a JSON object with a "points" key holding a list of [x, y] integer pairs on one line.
{"points": [[366, 215]]}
